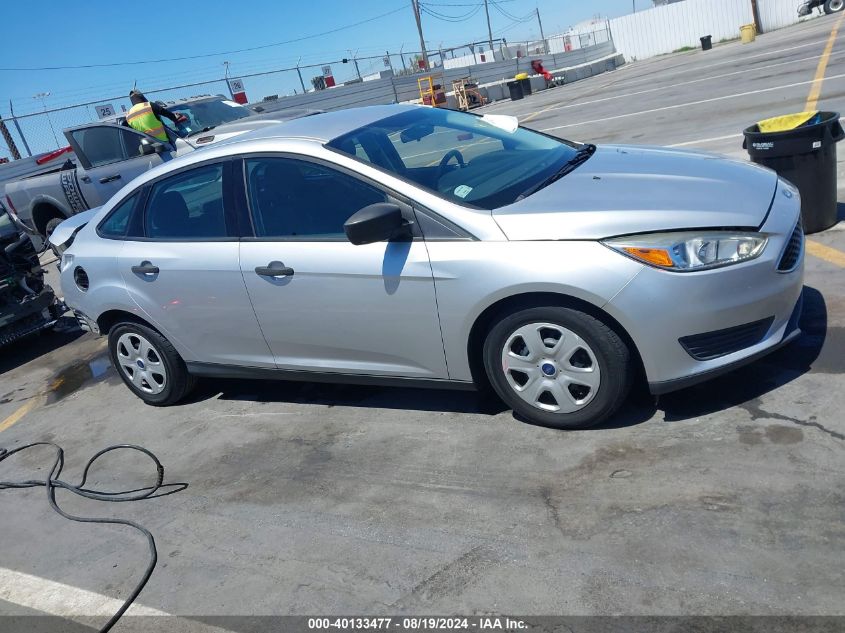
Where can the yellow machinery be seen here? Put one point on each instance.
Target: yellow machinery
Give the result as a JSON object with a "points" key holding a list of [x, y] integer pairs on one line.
{"points": [[431, 91], [467, 94]]}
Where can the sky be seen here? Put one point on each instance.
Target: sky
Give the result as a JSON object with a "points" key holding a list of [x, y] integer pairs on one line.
{"points": [[83, 33]]}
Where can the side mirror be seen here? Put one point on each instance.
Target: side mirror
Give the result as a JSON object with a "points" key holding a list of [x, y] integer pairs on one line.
{"points": [[375, 223], [148, 147]]}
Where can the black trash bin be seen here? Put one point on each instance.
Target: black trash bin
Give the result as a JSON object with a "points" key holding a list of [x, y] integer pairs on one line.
{"points": [[526, 86], [515, 88], [806, 157], [706, 42]]}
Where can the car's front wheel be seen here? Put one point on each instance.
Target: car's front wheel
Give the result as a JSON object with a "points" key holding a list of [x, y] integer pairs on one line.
{"points": [[148, 364], [558, 367], [834, 6]]}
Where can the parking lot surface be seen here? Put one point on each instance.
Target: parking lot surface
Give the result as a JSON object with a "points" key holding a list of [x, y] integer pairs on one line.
{"points": [[723, 499]]}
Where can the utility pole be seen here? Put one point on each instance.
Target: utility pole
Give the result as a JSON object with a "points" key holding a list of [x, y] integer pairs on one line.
{"points": [[634, 5], [299, 72], [489, 30], [402, 57], [542, 36], [416, 7], [18, 128]]}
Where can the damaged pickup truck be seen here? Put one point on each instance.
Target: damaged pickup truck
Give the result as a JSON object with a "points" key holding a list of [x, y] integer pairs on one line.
{"points": [[108, 154]]}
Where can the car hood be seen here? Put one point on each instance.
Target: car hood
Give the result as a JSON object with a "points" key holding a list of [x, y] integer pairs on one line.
{"points": [[70, 227], [629, 189]]}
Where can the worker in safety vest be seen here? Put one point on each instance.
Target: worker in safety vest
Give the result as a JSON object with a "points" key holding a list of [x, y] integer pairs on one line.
{"points": [[146, 116]]}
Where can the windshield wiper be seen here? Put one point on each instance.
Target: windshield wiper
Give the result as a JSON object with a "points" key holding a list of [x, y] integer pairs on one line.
{"points": [[205, 129], [583, 153]]}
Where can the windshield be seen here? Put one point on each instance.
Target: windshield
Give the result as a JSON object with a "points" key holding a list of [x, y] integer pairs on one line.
{"points": [[459, 156], [206, 114]]}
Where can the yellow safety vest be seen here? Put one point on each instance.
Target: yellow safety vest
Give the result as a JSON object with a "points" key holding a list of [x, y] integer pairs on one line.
{"points": [[141, 118]]}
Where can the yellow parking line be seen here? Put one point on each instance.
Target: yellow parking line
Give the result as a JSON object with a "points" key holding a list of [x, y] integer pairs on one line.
{"points": [[828, 254], [816, 88], [31, 404], [18, 415]]}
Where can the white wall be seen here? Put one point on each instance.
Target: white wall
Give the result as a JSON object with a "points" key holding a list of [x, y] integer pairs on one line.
{"points": [[776, 14], [669, 27]]}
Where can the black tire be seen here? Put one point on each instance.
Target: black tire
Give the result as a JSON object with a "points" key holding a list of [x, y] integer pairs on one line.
{"points": [[610, 351], [51, 226], [833, 6], [179, 382]]}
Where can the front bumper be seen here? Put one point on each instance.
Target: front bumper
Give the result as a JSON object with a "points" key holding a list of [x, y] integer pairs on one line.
{"points": [[659, 308], [792, 332]]}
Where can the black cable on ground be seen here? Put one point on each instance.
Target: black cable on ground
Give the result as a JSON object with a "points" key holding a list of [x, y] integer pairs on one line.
{"points": [[52, 483]]}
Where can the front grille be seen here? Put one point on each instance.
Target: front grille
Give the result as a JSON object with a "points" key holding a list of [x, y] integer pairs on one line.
{"points": [[718, 343], [792, 253]]}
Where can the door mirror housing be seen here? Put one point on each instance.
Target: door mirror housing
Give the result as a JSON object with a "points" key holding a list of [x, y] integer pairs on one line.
{"points": [[150, 147], [376, 223]]}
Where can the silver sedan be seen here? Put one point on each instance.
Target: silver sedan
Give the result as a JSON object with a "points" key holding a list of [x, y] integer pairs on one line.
{"points": [[419, 246]]}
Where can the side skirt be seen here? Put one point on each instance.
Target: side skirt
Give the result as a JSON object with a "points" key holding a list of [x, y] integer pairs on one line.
{"points": [[214, 370]]}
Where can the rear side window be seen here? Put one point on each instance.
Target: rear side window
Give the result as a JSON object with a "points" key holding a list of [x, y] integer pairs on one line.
{"points": [[294, 199], [187, 206], [116, 223], [101, 145]]}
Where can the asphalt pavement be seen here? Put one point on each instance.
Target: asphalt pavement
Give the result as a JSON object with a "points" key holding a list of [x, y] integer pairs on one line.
{"points": [[723, 499]]}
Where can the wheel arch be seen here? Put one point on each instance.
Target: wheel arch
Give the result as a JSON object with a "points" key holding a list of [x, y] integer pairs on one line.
{"points": [[108, 319], [43, 211], [513, 303]]}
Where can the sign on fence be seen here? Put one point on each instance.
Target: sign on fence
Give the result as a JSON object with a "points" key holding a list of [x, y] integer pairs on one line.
{"points": [[105, 110]]}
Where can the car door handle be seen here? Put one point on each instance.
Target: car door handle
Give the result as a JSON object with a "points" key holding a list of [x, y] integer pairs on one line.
{"points": [[111, 178], [146, 268], [274, 269], [86, 179]]}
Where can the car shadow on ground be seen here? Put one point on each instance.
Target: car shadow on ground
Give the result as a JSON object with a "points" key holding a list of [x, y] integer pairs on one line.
{"points": [[33, 347], [732, 389]]}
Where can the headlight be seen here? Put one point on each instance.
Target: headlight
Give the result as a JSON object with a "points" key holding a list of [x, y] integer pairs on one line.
{"points": [[691, 251]]}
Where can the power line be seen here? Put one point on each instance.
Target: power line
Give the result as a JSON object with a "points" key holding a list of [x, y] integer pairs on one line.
{"points": [[451, 18], [205, 55], [510, 16]]}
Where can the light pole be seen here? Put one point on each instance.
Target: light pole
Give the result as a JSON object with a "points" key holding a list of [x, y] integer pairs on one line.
{"points": [[43, 97], [355, 61]]}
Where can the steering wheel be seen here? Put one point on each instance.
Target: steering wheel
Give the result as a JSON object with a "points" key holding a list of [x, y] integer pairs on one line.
{"points": [[452, 153]]}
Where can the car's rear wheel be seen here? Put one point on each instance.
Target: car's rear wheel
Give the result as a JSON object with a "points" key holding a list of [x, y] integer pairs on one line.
{"points": [[148, 364], [834, 6], [558, 367]]}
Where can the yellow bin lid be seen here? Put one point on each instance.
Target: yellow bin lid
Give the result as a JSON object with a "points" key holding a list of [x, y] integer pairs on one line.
{"points": [[521, 76], [785, 122]]}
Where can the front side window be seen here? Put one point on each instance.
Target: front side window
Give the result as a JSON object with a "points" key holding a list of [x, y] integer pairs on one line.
{"points": [[116, 223], [132, 143], [462, 157], [294, 199], [187, 206], [101, 145]]}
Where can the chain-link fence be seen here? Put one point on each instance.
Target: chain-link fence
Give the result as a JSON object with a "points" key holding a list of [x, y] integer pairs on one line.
{"points": [[41, 128]]}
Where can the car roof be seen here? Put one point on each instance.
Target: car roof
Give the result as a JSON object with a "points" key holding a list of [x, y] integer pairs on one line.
{"points": [[325, 126]]}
